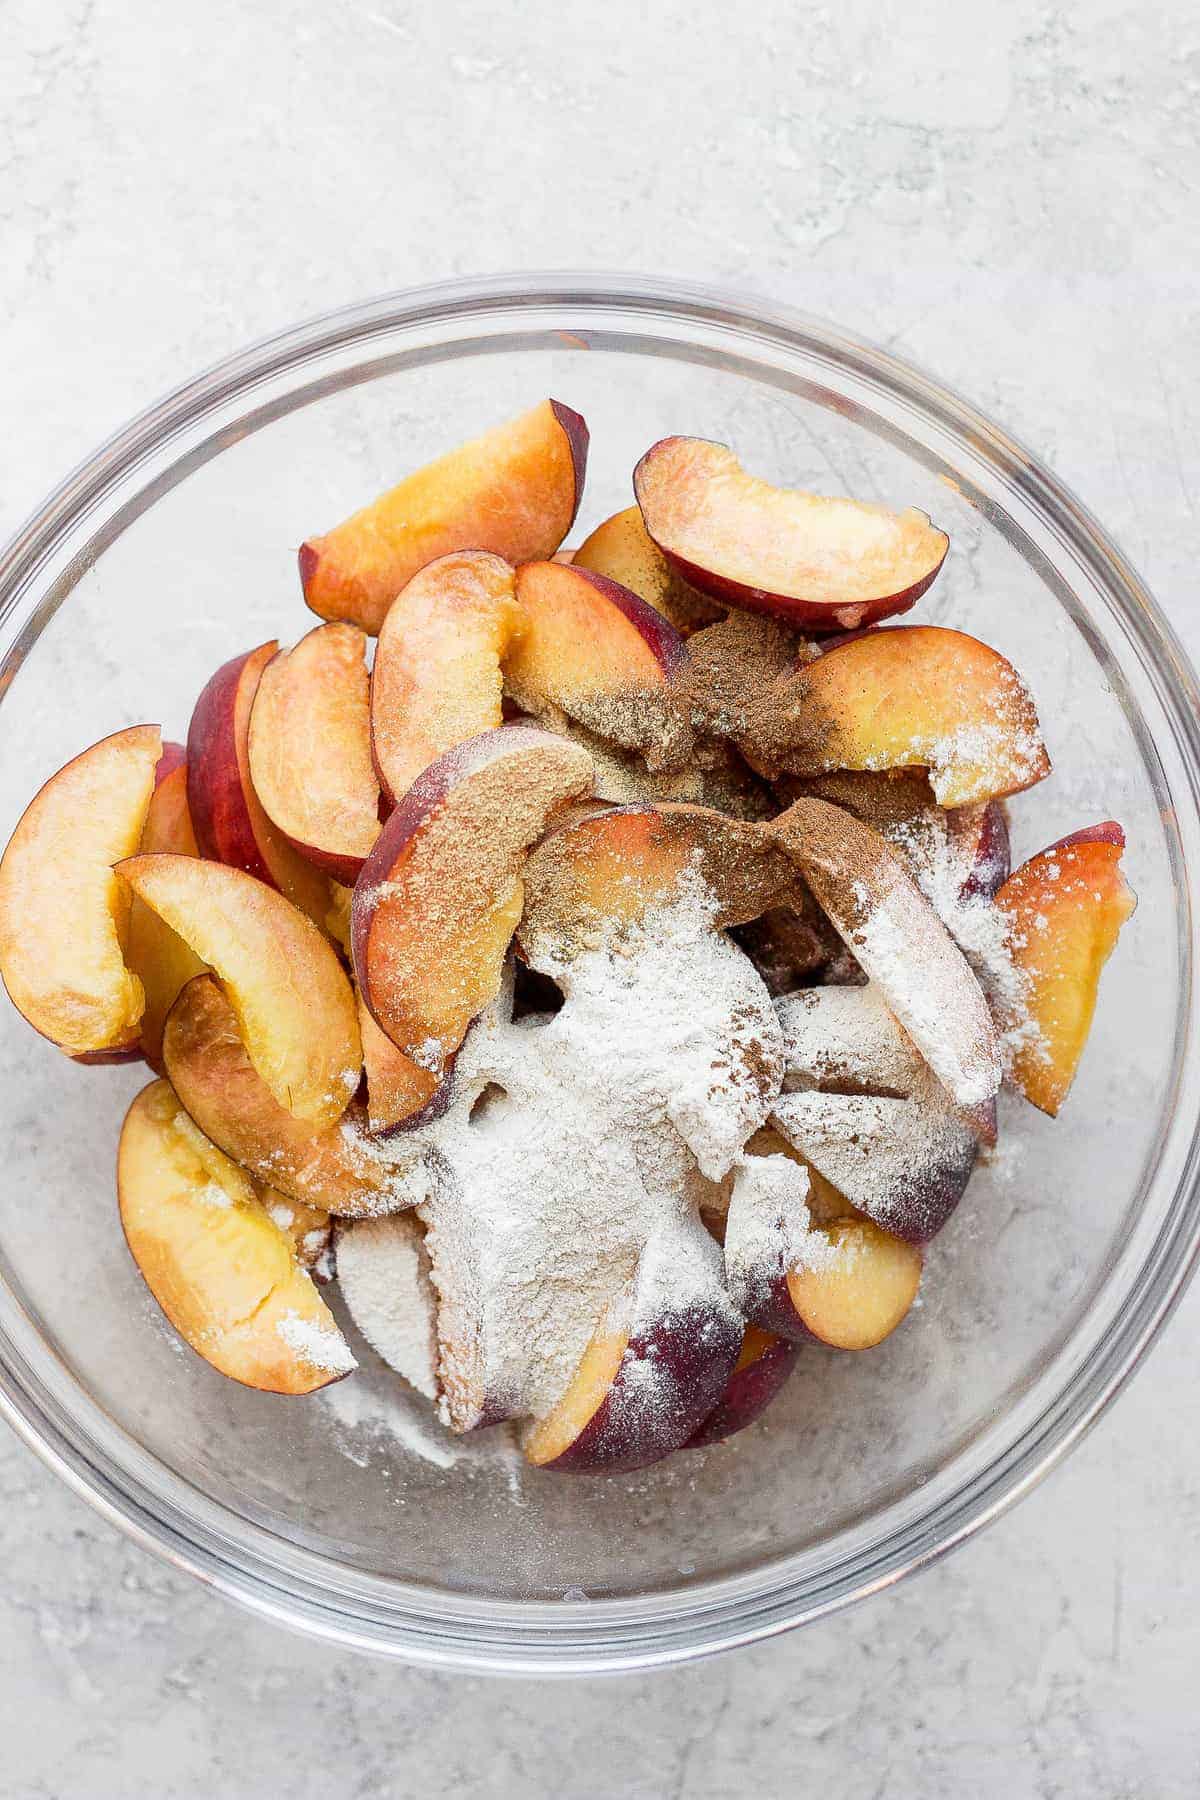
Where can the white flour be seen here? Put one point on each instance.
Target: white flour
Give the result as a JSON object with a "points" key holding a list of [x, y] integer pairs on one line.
{"points": [[571, 1143]]}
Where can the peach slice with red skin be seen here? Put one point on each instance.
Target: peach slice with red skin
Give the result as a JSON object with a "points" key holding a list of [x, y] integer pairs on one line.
{"points": [[290, 995], [64, 916], [157, 955], [911, 696], [309, 749], [333, 1167], [763, 1366], [621, 549], [441, 894], [514, 491], [601, 872], [899, 941], [1065, 909], [436, 680], [400, 1093], [653, 1372], [800, 1266], [230, 823], [593, 652], [823, 564], [226, 1275]]}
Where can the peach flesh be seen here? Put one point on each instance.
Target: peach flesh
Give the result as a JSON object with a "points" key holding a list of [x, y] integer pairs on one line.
{"points": [[621, 549], [436, 680], [824, 564], [293, 1002], [605, 1424], [600, 872], [514, 491], [333, 1167], [1066, 907], [230, 823], [912, 696], [440, 895], [157, 955], [597, 654], [309, 750], [64, 917], [225, 1274], [860, 1301]]}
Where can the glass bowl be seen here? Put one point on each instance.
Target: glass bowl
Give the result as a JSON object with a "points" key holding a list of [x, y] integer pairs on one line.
{"points": [[172, 548]]}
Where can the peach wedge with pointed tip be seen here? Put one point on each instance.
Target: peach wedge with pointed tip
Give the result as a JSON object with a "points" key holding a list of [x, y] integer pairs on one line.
{"points": [[890, 927], [230, 823], [64, 916], [913, 696], [1065, 909], [309, 749], [621, 549], [514, 491], [290, 995], [225, 1274], [595, 653], [436, 680], [822, 564], [157, 955], [652, 1373], [334, 1167], [440, 895]]}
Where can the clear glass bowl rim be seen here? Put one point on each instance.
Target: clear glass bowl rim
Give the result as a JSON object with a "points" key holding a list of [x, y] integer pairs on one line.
{"points": [[273, 1578]]}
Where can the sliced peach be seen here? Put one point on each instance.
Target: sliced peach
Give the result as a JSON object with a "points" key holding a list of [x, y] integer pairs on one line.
{"points": [[857, 1295], [594, 652], [762, 1368], [912, 696], [334, 1167], [1065, 908], [225, 1274], [607, 870], [652, 1373], [157, 955], [899, 941], [64, 916], [231, 826], [384, 1277], [293, 1002], [400, 1093], [436, 680], [803, 1266], [825, 564], [514, 491], [440, 895], [309, 750], [621, 549]]}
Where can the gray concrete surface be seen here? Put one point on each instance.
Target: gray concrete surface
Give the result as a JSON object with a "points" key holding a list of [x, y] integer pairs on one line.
{"points": [[1008, 195]]}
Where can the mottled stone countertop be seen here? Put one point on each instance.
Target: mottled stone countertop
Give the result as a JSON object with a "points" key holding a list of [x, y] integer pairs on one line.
{"points": [[1009, 195]]}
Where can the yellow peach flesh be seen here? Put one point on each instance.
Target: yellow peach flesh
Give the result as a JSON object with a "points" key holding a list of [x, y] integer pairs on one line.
{"points": [[1066, 907], [861, 1297], [224, 1273], [293, 1002], [437, 677], [589, 1388], [64, 916]]}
